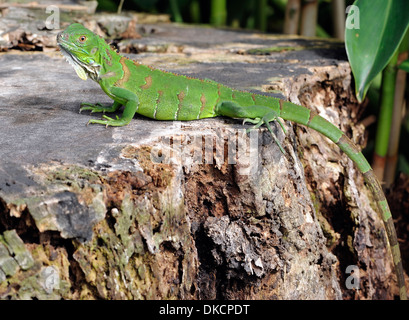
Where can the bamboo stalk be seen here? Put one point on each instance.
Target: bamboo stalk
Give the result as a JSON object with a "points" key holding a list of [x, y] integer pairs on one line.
{"points": [[385, 117], [338, 17], [399, 106], [309, 16], [392, 158], [195, 11], [292, 17], [261, 16], [174, 7], [218, 12]]}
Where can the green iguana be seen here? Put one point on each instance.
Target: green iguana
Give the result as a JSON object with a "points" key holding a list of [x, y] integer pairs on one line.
{"points": [[163, 95]]}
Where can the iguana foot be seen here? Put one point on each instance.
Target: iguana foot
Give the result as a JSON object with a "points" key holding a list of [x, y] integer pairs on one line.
{"points": [[254, 121], [118, 122], [266, 119]]}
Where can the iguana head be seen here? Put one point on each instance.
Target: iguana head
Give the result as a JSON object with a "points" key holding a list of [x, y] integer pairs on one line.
{"points": [[81, 47]]}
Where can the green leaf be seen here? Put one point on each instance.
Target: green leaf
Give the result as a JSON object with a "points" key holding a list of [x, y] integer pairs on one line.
{"points": [[373, 32], [404, 65]]}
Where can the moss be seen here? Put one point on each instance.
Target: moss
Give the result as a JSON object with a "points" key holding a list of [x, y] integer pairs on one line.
{"points": [[17, 249], [73, 176], [8, 265], [46, 277], [269, 50]]}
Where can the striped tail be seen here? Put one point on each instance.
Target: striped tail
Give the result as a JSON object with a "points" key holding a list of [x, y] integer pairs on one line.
{"points": [[302, 115]]}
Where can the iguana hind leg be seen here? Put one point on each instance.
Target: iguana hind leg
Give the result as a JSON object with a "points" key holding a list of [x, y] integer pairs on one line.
{"points": [[258, 115]]}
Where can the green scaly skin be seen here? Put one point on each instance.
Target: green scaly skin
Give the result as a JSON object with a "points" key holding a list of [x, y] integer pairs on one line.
{"points": [[163, 95]]}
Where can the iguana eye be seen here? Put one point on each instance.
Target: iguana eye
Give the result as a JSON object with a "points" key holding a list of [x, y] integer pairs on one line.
{"points": [[82, 39]]}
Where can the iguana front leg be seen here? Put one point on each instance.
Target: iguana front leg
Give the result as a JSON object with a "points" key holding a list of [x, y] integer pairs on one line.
{"points": [[99, 107], [121, 96]]}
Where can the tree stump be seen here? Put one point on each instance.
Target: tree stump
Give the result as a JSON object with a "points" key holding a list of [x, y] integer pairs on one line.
{"points": [[186, 210]]}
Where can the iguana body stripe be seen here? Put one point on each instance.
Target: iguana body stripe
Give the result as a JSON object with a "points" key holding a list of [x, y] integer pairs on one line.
{"points": [[125, 73], [163, 95]]}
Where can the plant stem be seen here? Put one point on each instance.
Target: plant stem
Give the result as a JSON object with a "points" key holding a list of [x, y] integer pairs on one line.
{"points": [[261, 15], [177, 17], [399, 104], [320, 32], [385, 116], [195, 11], [218, 12], [120, 7]]}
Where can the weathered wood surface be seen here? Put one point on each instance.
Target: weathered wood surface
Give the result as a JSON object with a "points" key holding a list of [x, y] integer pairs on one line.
{"points": [[100, 219]]}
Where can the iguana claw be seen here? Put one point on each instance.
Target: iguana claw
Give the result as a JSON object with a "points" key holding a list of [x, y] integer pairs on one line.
{"points": [[93, 107]]}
